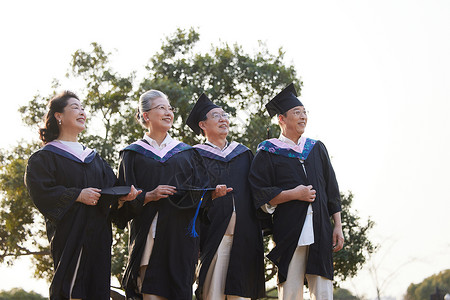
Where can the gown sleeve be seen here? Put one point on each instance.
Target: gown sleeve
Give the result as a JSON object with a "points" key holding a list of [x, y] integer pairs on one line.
{"points": [[51, 199], [262, 179], [126, 176], [332, 188]]}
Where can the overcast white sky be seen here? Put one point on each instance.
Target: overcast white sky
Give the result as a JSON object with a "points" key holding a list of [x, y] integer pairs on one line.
{"points": [[376, 81]]}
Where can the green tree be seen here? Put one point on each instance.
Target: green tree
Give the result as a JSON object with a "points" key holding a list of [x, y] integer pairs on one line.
{"points": [[239, 82], [428, 286], [20, 294], [343, 294], [242, 83], [18, 234], [107, 95]]}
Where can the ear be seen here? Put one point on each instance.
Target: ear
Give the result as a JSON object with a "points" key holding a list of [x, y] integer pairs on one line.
{"points": [[145, 116], [281, 119], [202, 125], [57, 116]]}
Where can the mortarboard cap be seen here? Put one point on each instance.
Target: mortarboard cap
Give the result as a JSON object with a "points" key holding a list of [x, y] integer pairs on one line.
{"points": [[116, 191], [284, 101], [198, 112], [109, 197]]}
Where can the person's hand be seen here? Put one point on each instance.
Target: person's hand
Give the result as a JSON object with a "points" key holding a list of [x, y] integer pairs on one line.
{"points": [[131, 196], [89, 196], [161, 191], [305, 193], [338, 238], [220, 191]]}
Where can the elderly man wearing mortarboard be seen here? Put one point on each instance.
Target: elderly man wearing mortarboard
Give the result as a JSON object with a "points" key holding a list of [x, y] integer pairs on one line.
{"points": [[232, 254], [292, 179]]}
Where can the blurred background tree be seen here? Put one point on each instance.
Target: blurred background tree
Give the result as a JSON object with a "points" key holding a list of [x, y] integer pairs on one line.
{"points": [[20, 294], [343, 294], [240, 82], [428, 286]]}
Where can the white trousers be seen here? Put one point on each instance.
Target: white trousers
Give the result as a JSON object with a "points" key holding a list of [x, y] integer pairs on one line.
{"points": [[321, 288], [214, 286]]}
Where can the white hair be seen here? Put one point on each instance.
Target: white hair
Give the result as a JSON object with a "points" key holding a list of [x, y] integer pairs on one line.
{"points": [[145, 103]]}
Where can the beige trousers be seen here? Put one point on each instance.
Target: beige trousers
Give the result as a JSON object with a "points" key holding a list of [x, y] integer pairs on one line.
{"points": [[321, 288], [214, 286]]}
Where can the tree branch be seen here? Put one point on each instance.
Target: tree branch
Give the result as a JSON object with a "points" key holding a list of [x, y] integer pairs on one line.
{"points": [[44, 252]]}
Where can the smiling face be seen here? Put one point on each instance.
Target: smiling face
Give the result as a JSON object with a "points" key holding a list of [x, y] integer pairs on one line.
{"points": [[216, 125], [293, 123], [160, 115], [72, 119]]}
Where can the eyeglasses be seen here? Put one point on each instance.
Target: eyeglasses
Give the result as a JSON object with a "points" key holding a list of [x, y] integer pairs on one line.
{"points": [[299, 112], [163, 108], [218, 116]]}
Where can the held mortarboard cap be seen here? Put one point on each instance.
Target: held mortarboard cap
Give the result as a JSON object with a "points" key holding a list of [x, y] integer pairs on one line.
{"points": [[109, 197], [116, 191], [284, 101], [198, 112]]}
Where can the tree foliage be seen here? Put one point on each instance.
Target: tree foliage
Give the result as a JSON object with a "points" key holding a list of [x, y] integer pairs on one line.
{"points": [[106, 95], [238, 81], [428, 286], [18, 234], [20, 294], [343, 294]]}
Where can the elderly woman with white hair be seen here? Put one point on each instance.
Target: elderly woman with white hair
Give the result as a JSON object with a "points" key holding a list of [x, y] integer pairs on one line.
{"points": [[163, 243]]}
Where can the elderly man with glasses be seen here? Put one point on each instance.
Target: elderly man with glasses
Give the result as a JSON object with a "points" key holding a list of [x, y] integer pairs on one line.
{"points": [[292, 180], [232, 255]]}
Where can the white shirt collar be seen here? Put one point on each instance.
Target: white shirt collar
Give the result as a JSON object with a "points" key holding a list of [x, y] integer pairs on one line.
{"points": [[75, 146], [217, 147], [154, 144], [288, 141]]}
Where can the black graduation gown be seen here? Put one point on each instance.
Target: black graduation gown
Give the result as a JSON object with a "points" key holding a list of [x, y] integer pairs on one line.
{"points": [[54, 178], [171, 269], [245, 275], [277, 167]]}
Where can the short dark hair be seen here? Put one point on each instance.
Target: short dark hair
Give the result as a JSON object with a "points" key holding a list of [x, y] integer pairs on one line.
{"points": [[203, 119], [50, 131]]}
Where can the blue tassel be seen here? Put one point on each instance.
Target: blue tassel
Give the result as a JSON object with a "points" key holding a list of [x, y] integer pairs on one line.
{"points": [[191, 229]]}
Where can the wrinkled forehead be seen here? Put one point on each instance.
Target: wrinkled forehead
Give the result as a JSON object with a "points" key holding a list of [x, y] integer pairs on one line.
{"points": [[75, 101], [215, 110], [160, 101], [296, 108]]}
